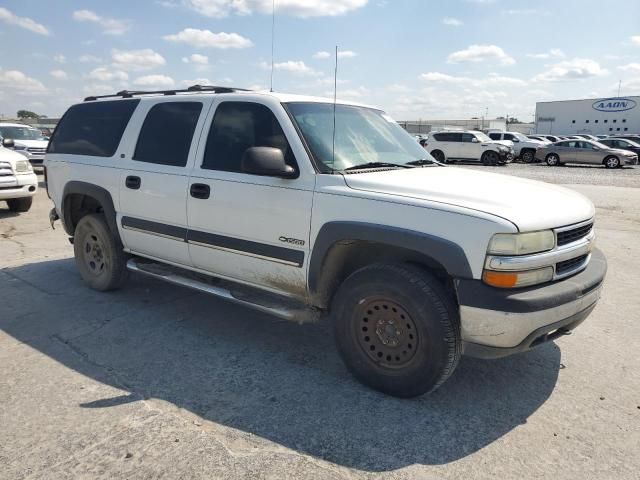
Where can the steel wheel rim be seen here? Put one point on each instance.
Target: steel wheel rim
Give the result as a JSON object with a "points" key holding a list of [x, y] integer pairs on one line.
{"points": [[386, 332], [93, 254]]}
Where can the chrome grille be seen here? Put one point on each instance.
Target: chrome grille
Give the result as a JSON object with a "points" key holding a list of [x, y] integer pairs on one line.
{"points": [[36, 150], [5, 169], [568, 236]]}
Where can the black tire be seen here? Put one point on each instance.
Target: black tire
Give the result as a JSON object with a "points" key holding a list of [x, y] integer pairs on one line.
{"points": [[422, 351], [612, 162], [438, 155], [553, 160], [528, 156], [99, 256], [20, 204], [490, 158]]}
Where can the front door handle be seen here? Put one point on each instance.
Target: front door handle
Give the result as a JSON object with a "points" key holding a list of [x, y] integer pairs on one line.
{"points": [[200, 190], [133, 182]]}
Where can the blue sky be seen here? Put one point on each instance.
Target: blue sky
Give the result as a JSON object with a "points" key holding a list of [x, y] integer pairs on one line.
{"points": [[416, 59]]}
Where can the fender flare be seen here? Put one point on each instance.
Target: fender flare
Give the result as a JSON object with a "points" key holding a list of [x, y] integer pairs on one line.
{"points": [[449, 254], [100, 194]]}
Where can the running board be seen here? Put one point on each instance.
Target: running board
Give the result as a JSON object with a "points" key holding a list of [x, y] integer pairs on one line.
{"points": [[269, 303]]}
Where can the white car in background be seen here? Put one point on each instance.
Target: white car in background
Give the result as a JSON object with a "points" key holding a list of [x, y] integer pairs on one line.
{"points": [[28, 141], [469, 146], [18, 183], [524, 147]]}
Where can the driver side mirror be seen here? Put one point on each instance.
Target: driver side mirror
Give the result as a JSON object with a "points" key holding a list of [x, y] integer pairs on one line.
{"points": [[515, 140], [266, 162], [595, 149], [475, 140], [8, 143]]}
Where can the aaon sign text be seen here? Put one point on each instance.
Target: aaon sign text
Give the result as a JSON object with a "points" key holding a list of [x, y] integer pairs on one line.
{"points": [[614, 104]]}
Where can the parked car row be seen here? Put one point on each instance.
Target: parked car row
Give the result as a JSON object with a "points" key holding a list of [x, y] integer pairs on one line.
{"points": [[587, 152], [24, 139]]}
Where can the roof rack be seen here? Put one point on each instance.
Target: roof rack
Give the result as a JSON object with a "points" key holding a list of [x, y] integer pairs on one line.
{"points": [[191, 89]]}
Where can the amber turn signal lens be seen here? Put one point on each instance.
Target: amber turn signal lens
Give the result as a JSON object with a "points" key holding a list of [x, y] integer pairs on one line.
{"points": [[500, 279]]}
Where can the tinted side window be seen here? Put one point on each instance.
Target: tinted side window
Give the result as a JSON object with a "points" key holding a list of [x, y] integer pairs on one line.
{"points": [[494, 136], [238, 126], [455, 137], [508, 136], [440, 137], [93, 128], [467, 137], [165, 136]]}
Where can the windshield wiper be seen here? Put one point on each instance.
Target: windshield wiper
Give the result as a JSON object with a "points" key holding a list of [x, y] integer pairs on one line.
{"points": [[364, 166], [423, 161]]}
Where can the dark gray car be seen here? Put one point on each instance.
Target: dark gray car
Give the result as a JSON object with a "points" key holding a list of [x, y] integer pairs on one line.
{"points": [[585, 151]]}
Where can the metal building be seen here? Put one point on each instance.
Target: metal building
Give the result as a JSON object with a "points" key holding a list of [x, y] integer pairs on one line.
{"points": [[596, 116]]}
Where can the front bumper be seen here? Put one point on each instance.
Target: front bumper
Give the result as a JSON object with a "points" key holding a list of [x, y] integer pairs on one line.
{"points": [[36, 158], [506, 157], [23, 185], [497, 322], [631, 160]]}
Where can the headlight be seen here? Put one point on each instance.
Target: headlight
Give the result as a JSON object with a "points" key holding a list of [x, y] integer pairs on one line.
{"points": [[503, 149], [521, 243], [23, 166]]}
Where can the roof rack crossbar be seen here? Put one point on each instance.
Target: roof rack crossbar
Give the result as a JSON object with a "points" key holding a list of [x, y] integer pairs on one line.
{"points": [[191, 89]]}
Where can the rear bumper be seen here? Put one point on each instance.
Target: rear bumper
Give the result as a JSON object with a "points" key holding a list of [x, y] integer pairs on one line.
{"points": [[497, 323]]}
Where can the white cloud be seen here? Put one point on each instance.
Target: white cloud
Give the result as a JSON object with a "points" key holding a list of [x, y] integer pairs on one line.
{"points": [[492, 80], [154, 81], [630, 67], [346, 54], [197, 59], [20, 83], [576, 69], [553, 53], [143, 59], [295, 67], [89, 59], [60, 58], [525, 11], [298, 8], [59, 74], [452, 22], [109, 26], [480, 53], [104, 74], [22, 22], [208, 39], [321, 55], [635, 39]]}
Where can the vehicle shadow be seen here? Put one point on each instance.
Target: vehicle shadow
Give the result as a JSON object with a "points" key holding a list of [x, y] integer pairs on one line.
{"points": [[6, 213], [278, 380]]}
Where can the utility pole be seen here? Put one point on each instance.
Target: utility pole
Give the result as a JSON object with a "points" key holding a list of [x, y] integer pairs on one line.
{"points": [[619, 85]]}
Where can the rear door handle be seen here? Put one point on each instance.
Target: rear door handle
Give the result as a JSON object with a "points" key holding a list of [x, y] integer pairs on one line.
{"points": [[200, 190], [133, 182]]}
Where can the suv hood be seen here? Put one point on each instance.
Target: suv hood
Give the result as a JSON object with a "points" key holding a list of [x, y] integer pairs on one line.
{"points": [[32, 143], [508, 143], [8, 155], [529, 204]]}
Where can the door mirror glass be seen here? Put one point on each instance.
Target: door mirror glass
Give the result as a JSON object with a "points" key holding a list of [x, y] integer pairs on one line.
{"points": [[8, 143], [266, 161], [475, 140]]}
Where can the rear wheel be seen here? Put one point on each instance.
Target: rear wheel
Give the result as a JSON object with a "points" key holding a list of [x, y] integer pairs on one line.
{"points": [[99, 256], [20, 204], [438, 155], [553, 160], [490, 158], [396, 328], [612, 162], [528, 156]]}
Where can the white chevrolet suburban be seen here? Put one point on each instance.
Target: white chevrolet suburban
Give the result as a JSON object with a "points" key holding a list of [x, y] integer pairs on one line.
{"points": [[18, 183], [303, 208]]}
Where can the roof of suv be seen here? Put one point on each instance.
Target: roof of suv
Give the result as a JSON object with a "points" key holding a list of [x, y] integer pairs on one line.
{"points": [[198, 90]]}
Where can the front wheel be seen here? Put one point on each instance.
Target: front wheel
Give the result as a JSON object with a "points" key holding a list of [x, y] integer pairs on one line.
{"points": [[438, 155], [396, 329], [20, 204], [528, 156], [99, 257], [490, 158], [612, 162]]}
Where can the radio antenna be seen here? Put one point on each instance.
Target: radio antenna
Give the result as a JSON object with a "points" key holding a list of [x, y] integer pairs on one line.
{"points": [[335, 100], [273, 35]]}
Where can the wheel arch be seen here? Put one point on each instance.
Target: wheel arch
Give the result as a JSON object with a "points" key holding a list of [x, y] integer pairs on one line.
{"points": [[81, 198], [341, 248], [604, 160]]}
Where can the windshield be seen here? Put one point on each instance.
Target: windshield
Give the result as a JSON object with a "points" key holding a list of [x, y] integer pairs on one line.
{"points": [[362, 136], [20, 133]]}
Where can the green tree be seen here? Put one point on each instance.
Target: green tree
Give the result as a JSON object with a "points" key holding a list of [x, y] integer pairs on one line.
{"points": [[24, 114]]}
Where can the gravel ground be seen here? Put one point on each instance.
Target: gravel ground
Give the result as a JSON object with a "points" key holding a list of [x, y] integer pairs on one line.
{"points": [[155, 381], [571, 174]]}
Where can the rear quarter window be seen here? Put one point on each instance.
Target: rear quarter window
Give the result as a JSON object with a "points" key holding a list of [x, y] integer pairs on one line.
{"points": [[93, 128]]}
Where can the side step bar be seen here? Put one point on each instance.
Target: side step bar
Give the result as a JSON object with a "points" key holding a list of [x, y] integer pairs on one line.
{"points": [[272, 304]]}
